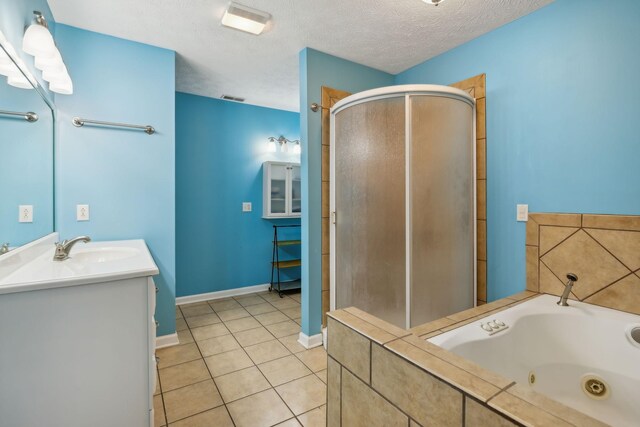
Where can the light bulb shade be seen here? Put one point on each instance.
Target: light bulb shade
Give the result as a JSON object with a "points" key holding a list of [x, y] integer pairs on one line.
{"points": [[271, 146], [37, 41], [52, 75], [8, 69], [20, 81], [53, 64], [297, 149], [63, 87], [284, 147]]}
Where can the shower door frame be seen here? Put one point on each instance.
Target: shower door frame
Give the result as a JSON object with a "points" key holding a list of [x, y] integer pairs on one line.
{"points": [[395, 92]]}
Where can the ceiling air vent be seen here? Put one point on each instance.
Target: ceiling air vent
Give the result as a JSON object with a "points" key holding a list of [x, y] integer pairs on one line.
{"points": [[232, 98]]}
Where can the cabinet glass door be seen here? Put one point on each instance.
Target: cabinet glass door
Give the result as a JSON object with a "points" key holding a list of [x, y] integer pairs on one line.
{"points": [[278, 188], [296, 194]]}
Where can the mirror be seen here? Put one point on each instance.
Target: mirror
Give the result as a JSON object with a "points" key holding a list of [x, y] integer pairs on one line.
{"points": [[26, 153]]}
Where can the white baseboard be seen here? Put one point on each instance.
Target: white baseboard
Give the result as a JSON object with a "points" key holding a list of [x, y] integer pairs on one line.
{"points": [[167, 340], [221, 294], [310, 341], [324, 337]]}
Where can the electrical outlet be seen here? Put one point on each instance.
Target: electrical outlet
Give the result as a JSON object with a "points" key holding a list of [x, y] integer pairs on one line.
{"points": [[25, 213], [82, 212], [246, 206], [522, 213]]}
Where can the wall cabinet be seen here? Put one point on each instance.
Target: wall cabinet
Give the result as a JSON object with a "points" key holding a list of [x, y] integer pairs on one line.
{"points": [[281, 190]]}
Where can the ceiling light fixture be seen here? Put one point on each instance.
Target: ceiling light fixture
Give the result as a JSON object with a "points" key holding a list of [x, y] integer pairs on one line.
{"points": [[245, 19], [433, 2]]}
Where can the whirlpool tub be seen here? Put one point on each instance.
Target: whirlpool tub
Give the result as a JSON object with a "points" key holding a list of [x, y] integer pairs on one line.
{"points": [[584, 356]]}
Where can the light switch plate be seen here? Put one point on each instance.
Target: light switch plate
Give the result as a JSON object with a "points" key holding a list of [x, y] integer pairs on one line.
{"points": [[82, 212], [25, 213], [522, 213], [246, 206]]}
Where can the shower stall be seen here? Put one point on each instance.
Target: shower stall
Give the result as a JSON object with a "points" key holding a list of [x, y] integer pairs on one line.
{"points": [[402, 202]]}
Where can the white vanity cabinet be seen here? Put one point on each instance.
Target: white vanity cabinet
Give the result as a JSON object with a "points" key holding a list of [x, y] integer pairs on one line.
{"points": [[80, 351], [281, 190]]}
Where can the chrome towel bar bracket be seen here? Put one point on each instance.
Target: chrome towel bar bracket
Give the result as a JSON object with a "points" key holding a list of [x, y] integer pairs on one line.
{"points": [[78, 122], [29, 116]]}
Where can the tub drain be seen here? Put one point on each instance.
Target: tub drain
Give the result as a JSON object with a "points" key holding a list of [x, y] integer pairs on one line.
{"points": [[595, 387]]}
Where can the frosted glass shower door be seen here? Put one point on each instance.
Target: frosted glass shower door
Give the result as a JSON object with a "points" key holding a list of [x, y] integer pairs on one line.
{"points": [[442, 207], [370, 208]]}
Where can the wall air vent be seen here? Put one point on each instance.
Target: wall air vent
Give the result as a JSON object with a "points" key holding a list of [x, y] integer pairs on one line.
{"points": [[232, 98]]}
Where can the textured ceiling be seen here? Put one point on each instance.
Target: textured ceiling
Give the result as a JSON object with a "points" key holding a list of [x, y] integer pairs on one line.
{"points": [[390, 35]]}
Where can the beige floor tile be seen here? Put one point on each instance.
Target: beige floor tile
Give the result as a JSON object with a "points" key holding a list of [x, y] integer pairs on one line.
{"points": [[158, 412], [295, 297], [280, 371], [292, 344], [303, 394], [229, 361], [210, 331], [271, 318], [218, 417], [191, 400], [270, 296], [315, 359], [181, 325], [285, 303], [239, 384], [314, 418], [204, 320], [246, 301], [196, 310], [178, 313], [176, 354], [322, 375], [242, 324], [253, 336], [236, 313], [292, 313], [266, 351], [185, 337], [261, 409], [293, 422], [183, 374], [260, 308], [283, 329], [218, 345], [225, 305]]}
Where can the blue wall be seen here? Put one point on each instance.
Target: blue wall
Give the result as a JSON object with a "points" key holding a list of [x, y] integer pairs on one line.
{"points": [[562, 118], [127, 177], [220, 148], [319, 69]]}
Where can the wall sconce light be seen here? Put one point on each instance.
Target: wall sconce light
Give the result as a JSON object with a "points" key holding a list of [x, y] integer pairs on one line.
{"points": [[38, 42], [9, 63], [272, 145]]}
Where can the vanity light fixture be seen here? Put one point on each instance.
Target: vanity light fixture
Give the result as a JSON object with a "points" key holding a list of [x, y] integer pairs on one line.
{"points": [[38, 42], [8, 60], [284, 145], [245, 19]]}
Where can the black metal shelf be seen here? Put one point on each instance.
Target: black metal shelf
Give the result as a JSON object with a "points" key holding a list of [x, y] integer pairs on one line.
{"points": [[277, 264]]}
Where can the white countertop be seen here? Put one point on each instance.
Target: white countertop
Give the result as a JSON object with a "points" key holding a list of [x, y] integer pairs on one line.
{"points": [[88, 263]]}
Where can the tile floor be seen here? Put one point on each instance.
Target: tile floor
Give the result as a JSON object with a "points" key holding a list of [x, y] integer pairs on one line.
{"points": [[239, 364]]}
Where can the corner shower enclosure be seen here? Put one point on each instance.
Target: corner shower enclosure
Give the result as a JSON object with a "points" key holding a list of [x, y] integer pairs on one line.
{"points": [[403, 215]]}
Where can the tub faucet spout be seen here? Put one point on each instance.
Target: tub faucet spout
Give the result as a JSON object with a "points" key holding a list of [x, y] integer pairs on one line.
{"points": [[567, 289]]}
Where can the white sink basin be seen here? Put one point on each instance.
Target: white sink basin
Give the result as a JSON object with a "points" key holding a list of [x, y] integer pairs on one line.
{"points": [[103, 254]]}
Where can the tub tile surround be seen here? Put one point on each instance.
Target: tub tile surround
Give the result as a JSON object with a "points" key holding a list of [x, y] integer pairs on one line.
{"points": [[602, 250], [377, 371]]}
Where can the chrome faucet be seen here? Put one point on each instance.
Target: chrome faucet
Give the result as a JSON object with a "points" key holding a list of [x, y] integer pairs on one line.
{"points": [[567, 289], [63, 249], [4, 248]]}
